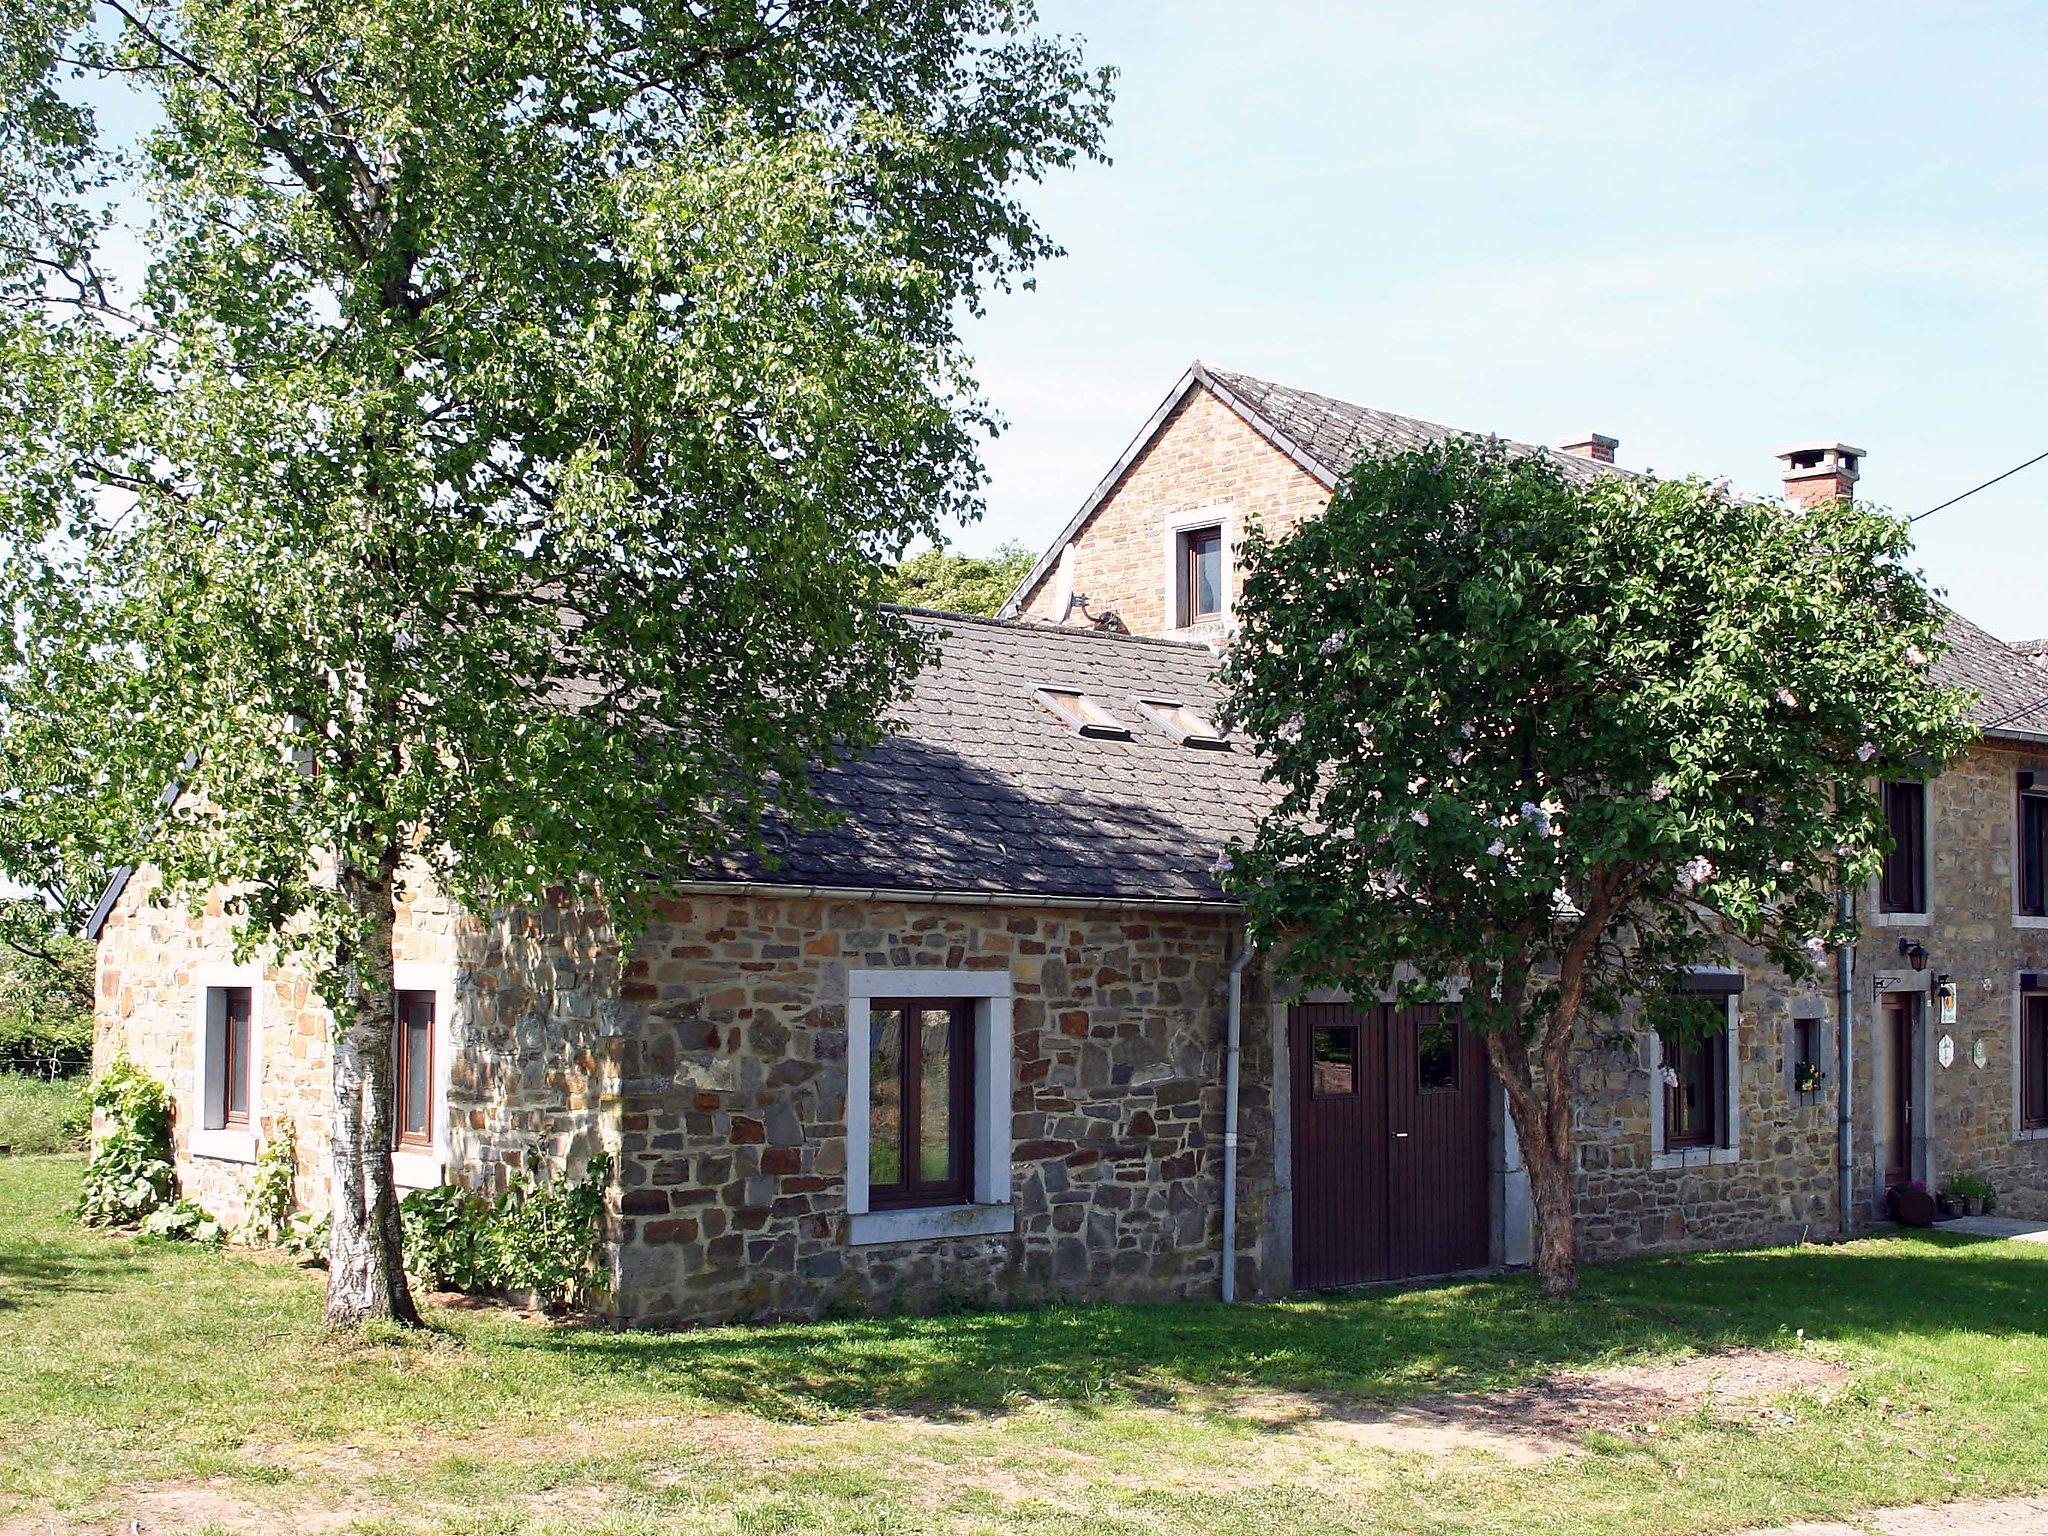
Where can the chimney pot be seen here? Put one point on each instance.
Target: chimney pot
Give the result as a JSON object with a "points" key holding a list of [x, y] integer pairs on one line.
{"points": [[1820, 472], [1594, 445]]}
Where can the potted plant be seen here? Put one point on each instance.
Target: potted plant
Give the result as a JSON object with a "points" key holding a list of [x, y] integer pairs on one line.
{"points": [[1970, 1192], [1808, 1078]]}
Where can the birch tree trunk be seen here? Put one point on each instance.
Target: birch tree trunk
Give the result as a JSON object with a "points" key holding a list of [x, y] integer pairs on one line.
{"points": [[365, 1255]]}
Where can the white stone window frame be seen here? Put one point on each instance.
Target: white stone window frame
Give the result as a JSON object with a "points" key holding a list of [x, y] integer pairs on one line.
{"points": [[1662, 1161], [413, 1167], [1189, 521], [990, 1211], [2021, 1131], [1924, 918], [211, 1137], [2020, 919]]}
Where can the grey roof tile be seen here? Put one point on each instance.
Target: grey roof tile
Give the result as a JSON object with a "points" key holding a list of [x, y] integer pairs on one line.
{"points": [[979, 788]]}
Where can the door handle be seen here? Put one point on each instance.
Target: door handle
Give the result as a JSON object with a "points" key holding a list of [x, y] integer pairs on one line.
{"points": [[1400, 1135]]}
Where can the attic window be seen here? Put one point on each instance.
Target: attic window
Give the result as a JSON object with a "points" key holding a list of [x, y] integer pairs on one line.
{"points": [[1082, 714], [1184, 725]]}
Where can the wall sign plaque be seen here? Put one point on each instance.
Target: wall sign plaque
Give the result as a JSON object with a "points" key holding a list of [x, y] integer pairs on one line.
{"points": [[1945, 1050]]}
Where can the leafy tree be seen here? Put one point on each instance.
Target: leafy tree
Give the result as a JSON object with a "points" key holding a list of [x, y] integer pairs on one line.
{"points": [[938, 578], [491, 477], [45, 993], [1562, 741]]}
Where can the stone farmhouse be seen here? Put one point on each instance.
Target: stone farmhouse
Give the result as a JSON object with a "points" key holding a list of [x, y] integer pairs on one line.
{"points": [[996, 1036]]}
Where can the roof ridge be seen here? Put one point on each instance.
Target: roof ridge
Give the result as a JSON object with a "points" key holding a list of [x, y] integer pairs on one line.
{"points": [[1041, 627]]}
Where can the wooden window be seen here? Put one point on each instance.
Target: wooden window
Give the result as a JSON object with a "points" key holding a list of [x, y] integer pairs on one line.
{"points": [[1696, 1092], [2034, 1061], [1903, 885], [235, 1074], [1436, 1054], [920, 1102], [412, 1061], [2033, 816], [1333, 1061], [1082, 714], [1201, 574]]}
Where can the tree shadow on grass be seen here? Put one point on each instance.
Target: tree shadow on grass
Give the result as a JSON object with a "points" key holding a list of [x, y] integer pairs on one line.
{"points": [[1475, 1336]]}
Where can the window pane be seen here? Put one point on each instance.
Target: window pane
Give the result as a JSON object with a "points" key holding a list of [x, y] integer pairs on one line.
{"points": [[235, 1081], [2034, 855], [935, 1096], [1333, 1061], [1903, 886], [885, 1098], [416, 1061], [1206, 551], [2034, 1062], [1436, 1056]]}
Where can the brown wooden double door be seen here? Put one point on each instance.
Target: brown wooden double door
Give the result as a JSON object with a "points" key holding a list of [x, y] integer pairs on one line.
{"points": [[1390, 1137]]}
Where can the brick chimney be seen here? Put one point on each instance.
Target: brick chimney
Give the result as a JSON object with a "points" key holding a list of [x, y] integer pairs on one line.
{"points": [[1820, 472], [1592, 446]]}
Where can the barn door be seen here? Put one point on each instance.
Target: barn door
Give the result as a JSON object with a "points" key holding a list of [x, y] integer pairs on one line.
{"points": [[1390, 1134]]}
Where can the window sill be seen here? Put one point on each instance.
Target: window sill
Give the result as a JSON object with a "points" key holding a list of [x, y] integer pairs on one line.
{"points": [[2031, 1133], [929, 1221], [418, 1170], [1904, 919], [2024, 920], [225, 1145], [1693, 1157]]}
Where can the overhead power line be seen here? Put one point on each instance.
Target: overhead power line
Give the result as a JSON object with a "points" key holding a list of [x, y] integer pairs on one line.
{"points": [[1973, 490], [2019, 714]]}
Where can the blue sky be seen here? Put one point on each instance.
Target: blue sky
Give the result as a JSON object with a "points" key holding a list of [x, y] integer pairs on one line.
{"points": [[1709, 231]]}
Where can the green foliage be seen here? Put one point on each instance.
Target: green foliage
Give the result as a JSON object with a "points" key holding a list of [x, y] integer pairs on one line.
{"points": [[183, 1221], [130, 1174], [1966, 1186], [551, 1233], [1480, 683], [305, 1238], [543, 1236], [451, 1239], [508, 388], [46, 985], [39, 1117], [272, 1193], [952, 583]]}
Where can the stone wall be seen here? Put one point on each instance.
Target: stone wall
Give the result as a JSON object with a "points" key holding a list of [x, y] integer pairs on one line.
{"points": [[1204, 455], [151, 964], [733, 1198], [1975, 937], [1778, 1186]]}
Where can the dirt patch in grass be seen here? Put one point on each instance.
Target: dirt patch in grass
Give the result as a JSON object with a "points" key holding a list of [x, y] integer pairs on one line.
{"points": [[1552, 1415]]}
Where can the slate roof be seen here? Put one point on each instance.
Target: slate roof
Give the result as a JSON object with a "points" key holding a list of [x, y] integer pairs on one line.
{"points": [[981, 788], [1333, 433], [2012, 689]]}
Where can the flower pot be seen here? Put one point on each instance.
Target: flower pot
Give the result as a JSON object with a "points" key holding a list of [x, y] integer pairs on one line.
{"points": [[1946, 1205], [1973, 1207]]}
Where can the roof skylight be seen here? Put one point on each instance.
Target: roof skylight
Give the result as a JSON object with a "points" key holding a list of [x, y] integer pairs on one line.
{"points": [[1187, 727], [1082, 714]]}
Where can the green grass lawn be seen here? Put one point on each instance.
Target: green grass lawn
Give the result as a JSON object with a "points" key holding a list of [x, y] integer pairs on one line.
{"points": [[38, 1117], [197, 1389]]}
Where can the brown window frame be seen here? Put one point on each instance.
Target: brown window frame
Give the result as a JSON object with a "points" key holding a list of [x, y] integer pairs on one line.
{"points": [[1902, 884], [401, 1063], [2032, 816], [236, 1088], [912, 1192], [2034, 1061], [1708, 1055], [1193, 542]]}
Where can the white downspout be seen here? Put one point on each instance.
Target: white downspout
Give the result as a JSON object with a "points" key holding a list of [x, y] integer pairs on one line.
{"points": [[1232, 1050]]}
